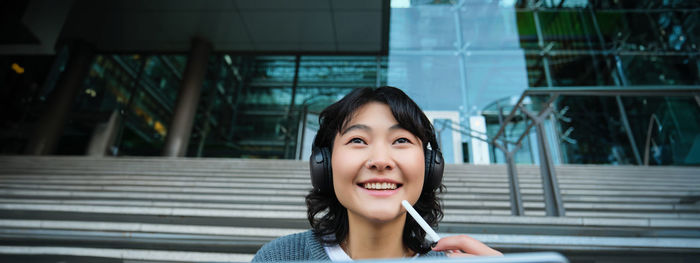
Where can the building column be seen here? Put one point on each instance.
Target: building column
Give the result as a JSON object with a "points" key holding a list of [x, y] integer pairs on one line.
{"points": [[49, 128], [104, 135], [187, 99]]}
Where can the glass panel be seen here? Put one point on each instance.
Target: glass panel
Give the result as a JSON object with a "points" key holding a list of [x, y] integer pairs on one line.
{"points": [[674, 28], [431, 2], [536, 74], [527, 30], [144, 128], [413, 73], [494, 76], [568, 30], [642, 4], [424, 27], [689, 19], [338, 71], [178, 62], [245, 108], [595, 132], [107, 88], [108, 85], [512, 133], [314, 97], [213, 128], [648, 31], [666, 130], [150, 110], [489, 26], [674, 137], [628, 31], [458, 59], [581, 70], [661, 70], [265, 128], [273, 70], [130, 62], [383, 71], [162, 74]]}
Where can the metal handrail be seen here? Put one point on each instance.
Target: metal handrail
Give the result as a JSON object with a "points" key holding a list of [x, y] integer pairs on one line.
{"points": [[550, 185], [652, 119], [598, 91]]}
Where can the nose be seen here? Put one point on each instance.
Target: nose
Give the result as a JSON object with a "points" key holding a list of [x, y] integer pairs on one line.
{"points": [[380, 160]]}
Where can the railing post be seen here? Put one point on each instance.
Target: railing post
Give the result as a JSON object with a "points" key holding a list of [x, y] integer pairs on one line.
{"points": [[628, 130], [516, 201], [550, 187], [553, 204], [553, 200]]}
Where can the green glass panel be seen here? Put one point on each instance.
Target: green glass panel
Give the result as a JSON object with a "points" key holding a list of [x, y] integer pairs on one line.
{"points": [[527, 30], [568, 30]]}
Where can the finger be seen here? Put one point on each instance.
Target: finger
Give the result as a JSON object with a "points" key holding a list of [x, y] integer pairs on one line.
{"points": [[466, 244], [461, 242], [458, 254]]}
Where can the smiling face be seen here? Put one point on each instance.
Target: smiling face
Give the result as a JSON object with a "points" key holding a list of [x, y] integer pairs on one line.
{"points": [[376, 164]]}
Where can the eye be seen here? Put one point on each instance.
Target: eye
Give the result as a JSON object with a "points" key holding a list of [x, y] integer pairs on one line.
{"points": [[402, 140], [356, 140]]}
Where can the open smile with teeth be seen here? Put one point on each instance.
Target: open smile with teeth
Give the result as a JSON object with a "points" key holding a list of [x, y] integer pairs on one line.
{"points": [[380, 186]]}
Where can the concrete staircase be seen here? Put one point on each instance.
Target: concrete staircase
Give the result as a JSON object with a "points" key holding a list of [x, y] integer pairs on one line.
{"points": [[164, 209]]}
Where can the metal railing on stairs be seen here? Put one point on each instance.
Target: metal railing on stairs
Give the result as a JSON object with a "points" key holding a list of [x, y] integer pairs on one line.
{"points": [[552, 197]]}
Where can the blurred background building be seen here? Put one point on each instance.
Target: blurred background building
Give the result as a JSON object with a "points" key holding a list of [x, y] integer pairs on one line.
{"points": [[271, 67], [527, 82]]}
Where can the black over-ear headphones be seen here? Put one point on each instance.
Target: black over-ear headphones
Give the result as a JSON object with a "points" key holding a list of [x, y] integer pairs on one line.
{"points": [[322, 173]]}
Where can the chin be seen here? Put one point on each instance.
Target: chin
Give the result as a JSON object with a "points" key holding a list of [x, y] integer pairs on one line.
{"points": [[382, 214]]}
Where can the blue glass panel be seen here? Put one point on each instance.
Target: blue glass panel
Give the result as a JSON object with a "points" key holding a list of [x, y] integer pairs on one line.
{"points": [[423, 27], [432, 81], [489, 26]]}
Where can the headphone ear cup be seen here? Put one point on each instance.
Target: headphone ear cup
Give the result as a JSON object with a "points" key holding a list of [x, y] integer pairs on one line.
{"points": [[321, 171], [438, 169], [434, 168]]}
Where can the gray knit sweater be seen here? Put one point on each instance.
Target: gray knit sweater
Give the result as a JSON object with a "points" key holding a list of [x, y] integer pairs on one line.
{"points": [[301, 246]]}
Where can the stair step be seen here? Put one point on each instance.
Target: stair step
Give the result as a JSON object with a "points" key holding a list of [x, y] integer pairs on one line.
{"points": [[227, 208]]}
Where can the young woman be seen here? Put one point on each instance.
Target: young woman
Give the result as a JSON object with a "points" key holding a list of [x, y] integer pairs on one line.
{"points": [[374, 148]]}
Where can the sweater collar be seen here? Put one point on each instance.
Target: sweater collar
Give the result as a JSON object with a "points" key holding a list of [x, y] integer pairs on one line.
{"points": [[316, 251], [314, 247]]}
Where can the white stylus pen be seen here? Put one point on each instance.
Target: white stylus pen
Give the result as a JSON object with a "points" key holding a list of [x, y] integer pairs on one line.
{"points": [[431, 233]]}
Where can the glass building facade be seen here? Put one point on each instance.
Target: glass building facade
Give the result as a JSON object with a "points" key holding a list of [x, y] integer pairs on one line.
{"points": [[475, 58], [250, 106], [465, 63]]}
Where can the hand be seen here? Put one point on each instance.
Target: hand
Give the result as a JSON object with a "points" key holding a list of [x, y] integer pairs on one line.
{"points": [[464, 246]]}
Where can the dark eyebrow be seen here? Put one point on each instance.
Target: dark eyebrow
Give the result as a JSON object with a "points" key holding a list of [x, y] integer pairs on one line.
{"points": [[396, 127], [367, 128], [356, 127]]}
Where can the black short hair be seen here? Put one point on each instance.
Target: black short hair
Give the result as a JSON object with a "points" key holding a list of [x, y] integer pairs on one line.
{"points": [[328, 218]]}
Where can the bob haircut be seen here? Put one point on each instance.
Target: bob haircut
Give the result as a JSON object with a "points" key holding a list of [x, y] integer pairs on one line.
{"points": [[329, 218]]}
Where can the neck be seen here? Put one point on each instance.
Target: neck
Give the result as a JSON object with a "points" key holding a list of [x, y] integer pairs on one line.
{"points": [[368, 239]]}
